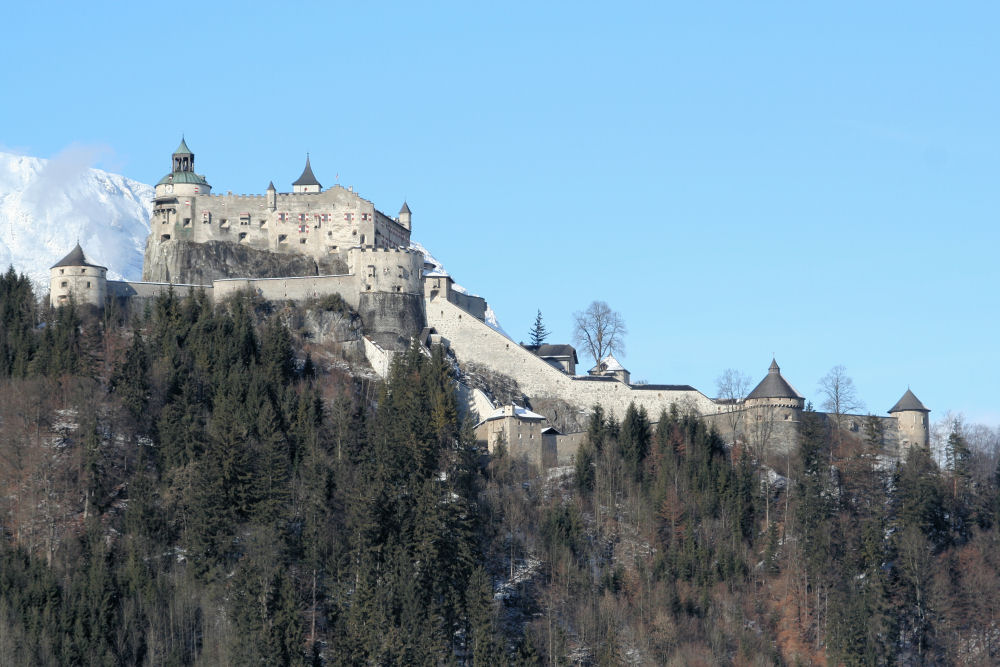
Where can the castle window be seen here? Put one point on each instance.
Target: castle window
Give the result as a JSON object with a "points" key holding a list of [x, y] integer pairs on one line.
{"points": [[206, 217], [88, 284], [165, 237], [302, 240], [223, 223], [187, 222], [362, 239], [63, 284], [245, 219], [371, 270], [60, 272], [282, 238], [243, 236]]}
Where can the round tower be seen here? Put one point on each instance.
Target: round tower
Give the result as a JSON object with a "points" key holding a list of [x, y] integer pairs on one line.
{"points": [[912, 420], [774, 391], [182, 179], [73, 276]]}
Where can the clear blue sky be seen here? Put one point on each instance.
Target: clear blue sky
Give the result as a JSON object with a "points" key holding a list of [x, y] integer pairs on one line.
{"points": [[737, 179]]}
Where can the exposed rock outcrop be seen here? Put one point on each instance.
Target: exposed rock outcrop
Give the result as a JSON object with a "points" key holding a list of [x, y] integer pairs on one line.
{"points": [[193, 263]]}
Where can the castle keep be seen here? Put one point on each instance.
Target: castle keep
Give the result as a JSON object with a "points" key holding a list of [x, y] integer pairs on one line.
{"points": [[312, 242], [309, 221]]}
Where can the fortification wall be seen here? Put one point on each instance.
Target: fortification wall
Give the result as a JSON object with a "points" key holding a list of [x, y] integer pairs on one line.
{"points": [[387, 269], [564, 446], [472, 340], [314, 224], [379, 358], [141, 290], [474, 305], [291, 289], [779, 427]]}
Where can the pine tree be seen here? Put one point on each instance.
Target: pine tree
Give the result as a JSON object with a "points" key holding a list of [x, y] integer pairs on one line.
{"points": [[482, 639], [130, 381], [634, 440], [538, 331]]}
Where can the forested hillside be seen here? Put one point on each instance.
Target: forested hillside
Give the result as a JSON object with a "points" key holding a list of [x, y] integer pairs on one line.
{"points": [[202, 485]]}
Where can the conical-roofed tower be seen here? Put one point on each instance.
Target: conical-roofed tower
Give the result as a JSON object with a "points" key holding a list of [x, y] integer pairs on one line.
{"points": [[912, 418], [74, 277]]}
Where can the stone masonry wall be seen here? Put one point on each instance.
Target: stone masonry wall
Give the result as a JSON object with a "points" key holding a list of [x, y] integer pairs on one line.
{"points": [[314, 224], [474, 341], [291, 289]]}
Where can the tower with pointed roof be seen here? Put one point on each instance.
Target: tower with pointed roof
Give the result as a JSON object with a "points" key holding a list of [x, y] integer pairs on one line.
{"points": [[272, 197], [74, 277], [404, 216], [775, 390], [772, 410], [912, 421], [307, 181]]}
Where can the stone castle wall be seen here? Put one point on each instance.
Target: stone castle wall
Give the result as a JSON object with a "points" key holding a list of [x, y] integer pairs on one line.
{"points": [[82, 284], [473, 340], [290, 289], [314, 224]]}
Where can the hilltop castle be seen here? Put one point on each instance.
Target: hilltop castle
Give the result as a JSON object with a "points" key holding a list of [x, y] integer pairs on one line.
{"points": [[312, 242]]}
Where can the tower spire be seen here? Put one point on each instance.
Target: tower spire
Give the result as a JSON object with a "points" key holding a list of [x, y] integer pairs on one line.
{"points": [[307, 181]]}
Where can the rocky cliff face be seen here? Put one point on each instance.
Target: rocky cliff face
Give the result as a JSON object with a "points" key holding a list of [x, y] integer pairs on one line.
{"points": [[200, 263], [392, 318]]}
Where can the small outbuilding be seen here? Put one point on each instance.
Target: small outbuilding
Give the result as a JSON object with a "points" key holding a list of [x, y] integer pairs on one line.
{"points": [[561, 356], [611, 367]]}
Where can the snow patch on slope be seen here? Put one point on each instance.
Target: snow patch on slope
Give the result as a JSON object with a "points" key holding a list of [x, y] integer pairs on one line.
{"points": [[432, 267], [46, 206]]}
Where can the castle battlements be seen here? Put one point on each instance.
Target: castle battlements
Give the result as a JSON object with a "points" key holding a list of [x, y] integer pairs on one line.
{"points": [[312, 242]]}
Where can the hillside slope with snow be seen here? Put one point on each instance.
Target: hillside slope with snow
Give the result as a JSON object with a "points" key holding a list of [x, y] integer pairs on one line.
{"points": [[438, 268], [46, 206]]}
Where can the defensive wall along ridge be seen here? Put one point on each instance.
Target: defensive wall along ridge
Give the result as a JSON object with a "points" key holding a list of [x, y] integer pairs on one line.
{"points": [[474, 341]]}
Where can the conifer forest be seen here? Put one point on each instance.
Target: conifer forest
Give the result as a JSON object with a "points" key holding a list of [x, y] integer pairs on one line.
{"points": [[201, 484]]}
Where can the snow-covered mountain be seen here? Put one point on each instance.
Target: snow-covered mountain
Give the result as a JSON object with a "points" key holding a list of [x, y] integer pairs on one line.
{"points": [[46, 206]]}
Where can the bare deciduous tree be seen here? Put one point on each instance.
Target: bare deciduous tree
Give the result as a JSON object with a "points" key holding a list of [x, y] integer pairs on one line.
{"points": [[600, 330], [733, 386], [840, 396]]}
